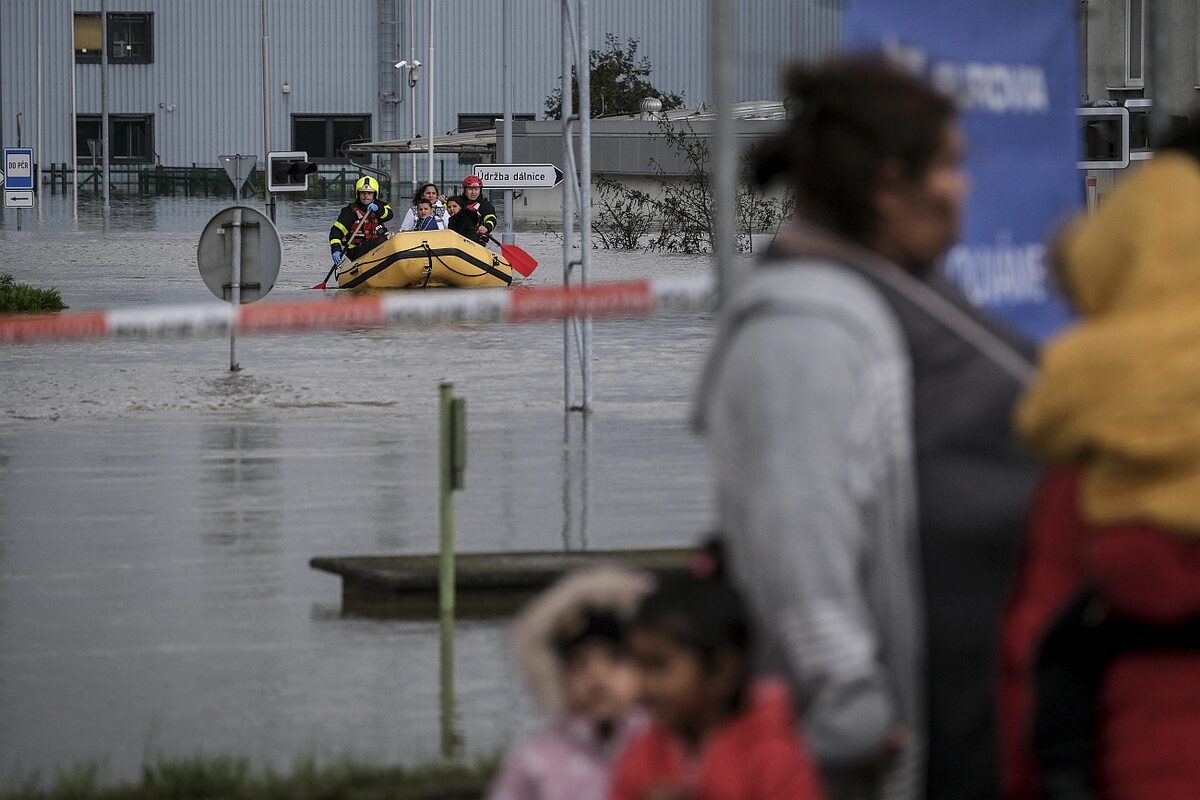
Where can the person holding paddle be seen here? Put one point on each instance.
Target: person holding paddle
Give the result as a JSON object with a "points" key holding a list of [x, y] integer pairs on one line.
{"points": [[359, 226], [473, 191]]}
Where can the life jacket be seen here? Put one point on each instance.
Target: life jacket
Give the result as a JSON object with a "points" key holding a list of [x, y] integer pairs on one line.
{"points": [[371, 228]]}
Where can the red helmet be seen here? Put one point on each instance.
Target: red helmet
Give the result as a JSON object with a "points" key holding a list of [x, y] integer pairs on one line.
{"points": [[472, 180]]}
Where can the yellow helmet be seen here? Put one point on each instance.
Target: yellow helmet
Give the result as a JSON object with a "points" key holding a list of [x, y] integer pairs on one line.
{"points": [[367, 184]]}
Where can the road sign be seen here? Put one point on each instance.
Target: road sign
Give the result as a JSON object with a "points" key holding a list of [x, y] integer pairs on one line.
{"points": [[518, 176], [260, 250], [18, 168], [22, 198], [238, 168]]}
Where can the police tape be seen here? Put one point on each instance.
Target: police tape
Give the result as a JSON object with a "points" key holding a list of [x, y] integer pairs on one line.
{"points": [[524, 304]]}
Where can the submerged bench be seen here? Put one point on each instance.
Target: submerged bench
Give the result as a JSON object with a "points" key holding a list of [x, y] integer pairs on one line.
{"points": [[486, 584]]}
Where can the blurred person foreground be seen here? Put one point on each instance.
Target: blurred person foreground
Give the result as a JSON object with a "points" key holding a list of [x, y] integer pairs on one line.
{"points": [[858, 412], [1101, 692]]}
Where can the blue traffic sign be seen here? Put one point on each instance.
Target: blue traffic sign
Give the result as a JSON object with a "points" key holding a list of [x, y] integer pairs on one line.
{"points": [[18, 168]]}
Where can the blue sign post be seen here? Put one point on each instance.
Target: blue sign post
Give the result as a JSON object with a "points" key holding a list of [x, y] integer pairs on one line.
{"points": [[1013, 68], [18, 178]]}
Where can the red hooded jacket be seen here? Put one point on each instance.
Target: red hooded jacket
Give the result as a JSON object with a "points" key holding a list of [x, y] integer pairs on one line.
{"points": [[758, 755], [1148, 708]]}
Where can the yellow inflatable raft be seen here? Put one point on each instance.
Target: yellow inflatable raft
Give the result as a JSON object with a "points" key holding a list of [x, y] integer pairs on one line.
{"points": [[416, 259]]}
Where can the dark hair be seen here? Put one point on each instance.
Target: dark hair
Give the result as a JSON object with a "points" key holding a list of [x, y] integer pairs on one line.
{"points": [[700, 611], [425, 202], [458, 198], [421, 191], [591, 624], [851, 115]]}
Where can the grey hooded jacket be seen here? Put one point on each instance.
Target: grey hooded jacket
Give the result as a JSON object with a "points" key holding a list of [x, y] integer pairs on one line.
{"points": [[808, 411]]}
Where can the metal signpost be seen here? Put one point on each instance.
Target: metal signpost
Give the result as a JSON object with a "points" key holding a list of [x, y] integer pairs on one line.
{"points": [[239, 255], [518, 176], [238, 168], [18, 179]]}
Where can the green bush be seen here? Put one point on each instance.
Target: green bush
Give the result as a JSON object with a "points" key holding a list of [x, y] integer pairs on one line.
{"points": [[233, 778], [21, 297]]}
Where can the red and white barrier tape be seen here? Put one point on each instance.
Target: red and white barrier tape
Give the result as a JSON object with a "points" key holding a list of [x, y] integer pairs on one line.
{"points": [[525, 304]]}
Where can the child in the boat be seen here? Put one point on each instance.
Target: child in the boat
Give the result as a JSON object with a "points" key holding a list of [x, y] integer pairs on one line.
{"points": [[463, 220], [426, 221]]}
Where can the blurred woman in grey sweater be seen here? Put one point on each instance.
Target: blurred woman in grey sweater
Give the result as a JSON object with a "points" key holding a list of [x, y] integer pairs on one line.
{"points": [[858, 412]]}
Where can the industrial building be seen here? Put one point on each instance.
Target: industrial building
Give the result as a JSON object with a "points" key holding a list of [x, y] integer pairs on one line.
{"points": [[186, 80]]}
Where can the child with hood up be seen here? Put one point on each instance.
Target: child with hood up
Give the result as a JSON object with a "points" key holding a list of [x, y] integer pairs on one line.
{"points": [[572, 644]]}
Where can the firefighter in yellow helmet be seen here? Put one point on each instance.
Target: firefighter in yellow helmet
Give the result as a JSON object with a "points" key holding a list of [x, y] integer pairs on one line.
{"points": [[360, 225]]}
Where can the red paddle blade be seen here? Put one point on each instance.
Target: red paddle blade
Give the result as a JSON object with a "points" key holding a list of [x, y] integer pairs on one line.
{"points": [[521, 261], [320, 285]]}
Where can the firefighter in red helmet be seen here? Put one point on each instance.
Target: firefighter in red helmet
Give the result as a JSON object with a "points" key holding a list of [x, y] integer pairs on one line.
{"points": [[473, 191]]}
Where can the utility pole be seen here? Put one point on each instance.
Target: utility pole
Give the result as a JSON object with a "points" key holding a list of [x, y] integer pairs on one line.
{"points": [[103, 100], [266, 92]]}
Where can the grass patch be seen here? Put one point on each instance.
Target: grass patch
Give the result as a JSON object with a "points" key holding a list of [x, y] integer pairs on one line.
{"points": [[233, 778], [22, 297]]}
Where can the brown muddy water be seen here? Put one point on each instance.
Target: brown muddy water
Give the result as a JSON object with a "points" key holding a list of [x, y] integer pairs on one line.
{"points": [[157, 512]]}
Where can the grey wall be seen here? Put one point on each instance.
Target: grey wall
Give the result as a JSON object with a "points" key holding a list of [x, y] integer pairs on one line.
{"points": [[335, 55]]}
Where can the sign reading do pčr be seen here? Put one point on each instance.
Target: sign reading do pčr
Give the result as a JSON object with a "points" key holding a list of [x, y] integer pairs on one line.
{"points": [[18, 168], [518, 176]]}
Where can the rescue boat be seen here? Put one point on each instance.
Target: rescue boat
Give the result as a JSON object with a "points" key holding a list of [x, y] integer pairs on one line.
{"points": [[419, 259]]}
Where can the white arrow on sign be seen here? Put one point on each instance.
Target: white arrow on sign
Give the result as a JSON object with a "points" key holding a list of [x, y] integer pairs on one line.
{"points": [[518, 176]]}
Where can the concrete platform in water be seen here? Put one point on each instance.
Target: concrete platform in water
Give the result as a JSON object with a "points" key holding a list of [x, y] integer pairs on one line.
{"points": [[487, 584]]}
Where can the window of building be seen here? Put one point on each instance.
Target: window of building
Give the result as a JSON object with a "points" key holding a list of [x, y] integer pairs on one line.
{"points": [[131, 138], [87, 39], [324, 137], [130, 38], [1135, 42]]}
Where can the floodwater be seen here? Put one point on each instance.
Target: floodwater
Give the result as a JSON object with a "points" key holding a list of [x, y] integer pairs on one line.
{"points": [[158, 512]]}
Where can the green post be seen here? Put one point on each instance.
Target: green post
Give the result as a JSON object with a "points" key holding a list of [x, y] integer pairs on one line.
{"points": [[452, 461]]}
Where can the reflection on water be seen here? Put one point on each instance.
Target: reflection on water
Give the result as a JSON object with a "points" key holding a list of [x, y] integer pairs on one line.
{"points": [[451, 738], [158, 513], [241, 492]]}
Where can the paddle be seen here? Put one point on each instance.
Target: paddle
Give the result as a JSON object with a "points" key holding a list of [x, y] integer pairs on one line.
{"points": [[521, 261], [353, 233]]}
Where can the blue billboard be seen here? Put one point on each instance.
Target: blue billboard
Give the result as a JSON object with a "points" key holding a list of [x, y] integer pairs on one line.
{"points": [[1013, 67]]}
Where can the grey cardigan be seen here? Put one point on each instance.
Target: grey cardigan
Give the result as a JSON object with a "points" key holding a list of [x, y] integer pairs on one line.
{"points": [[808, 411]]}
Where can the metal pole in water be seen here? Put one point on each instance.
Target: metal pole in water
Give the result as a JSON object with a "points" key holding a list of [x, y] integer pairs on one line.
{"points": [[452, 461], [235, 288], [266, 94], [449, 741], [722, 43], [583, 70], [569, 185], [507, 103], [429, 90], [104, 143]]}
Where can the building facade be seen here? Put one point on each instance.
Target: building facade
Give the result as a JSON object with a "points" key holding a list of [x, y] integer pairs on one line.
{"points": [[186, 78]]}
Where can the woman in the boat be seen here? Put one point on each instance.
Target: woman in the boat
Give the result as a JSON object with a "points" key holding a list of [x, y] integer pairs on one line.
{"points": [[428, 192]]}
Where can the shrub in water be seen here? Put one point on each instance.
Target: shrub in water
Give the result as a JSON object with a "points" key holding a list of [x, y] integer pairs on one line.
{"points": [[22, 297]]}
